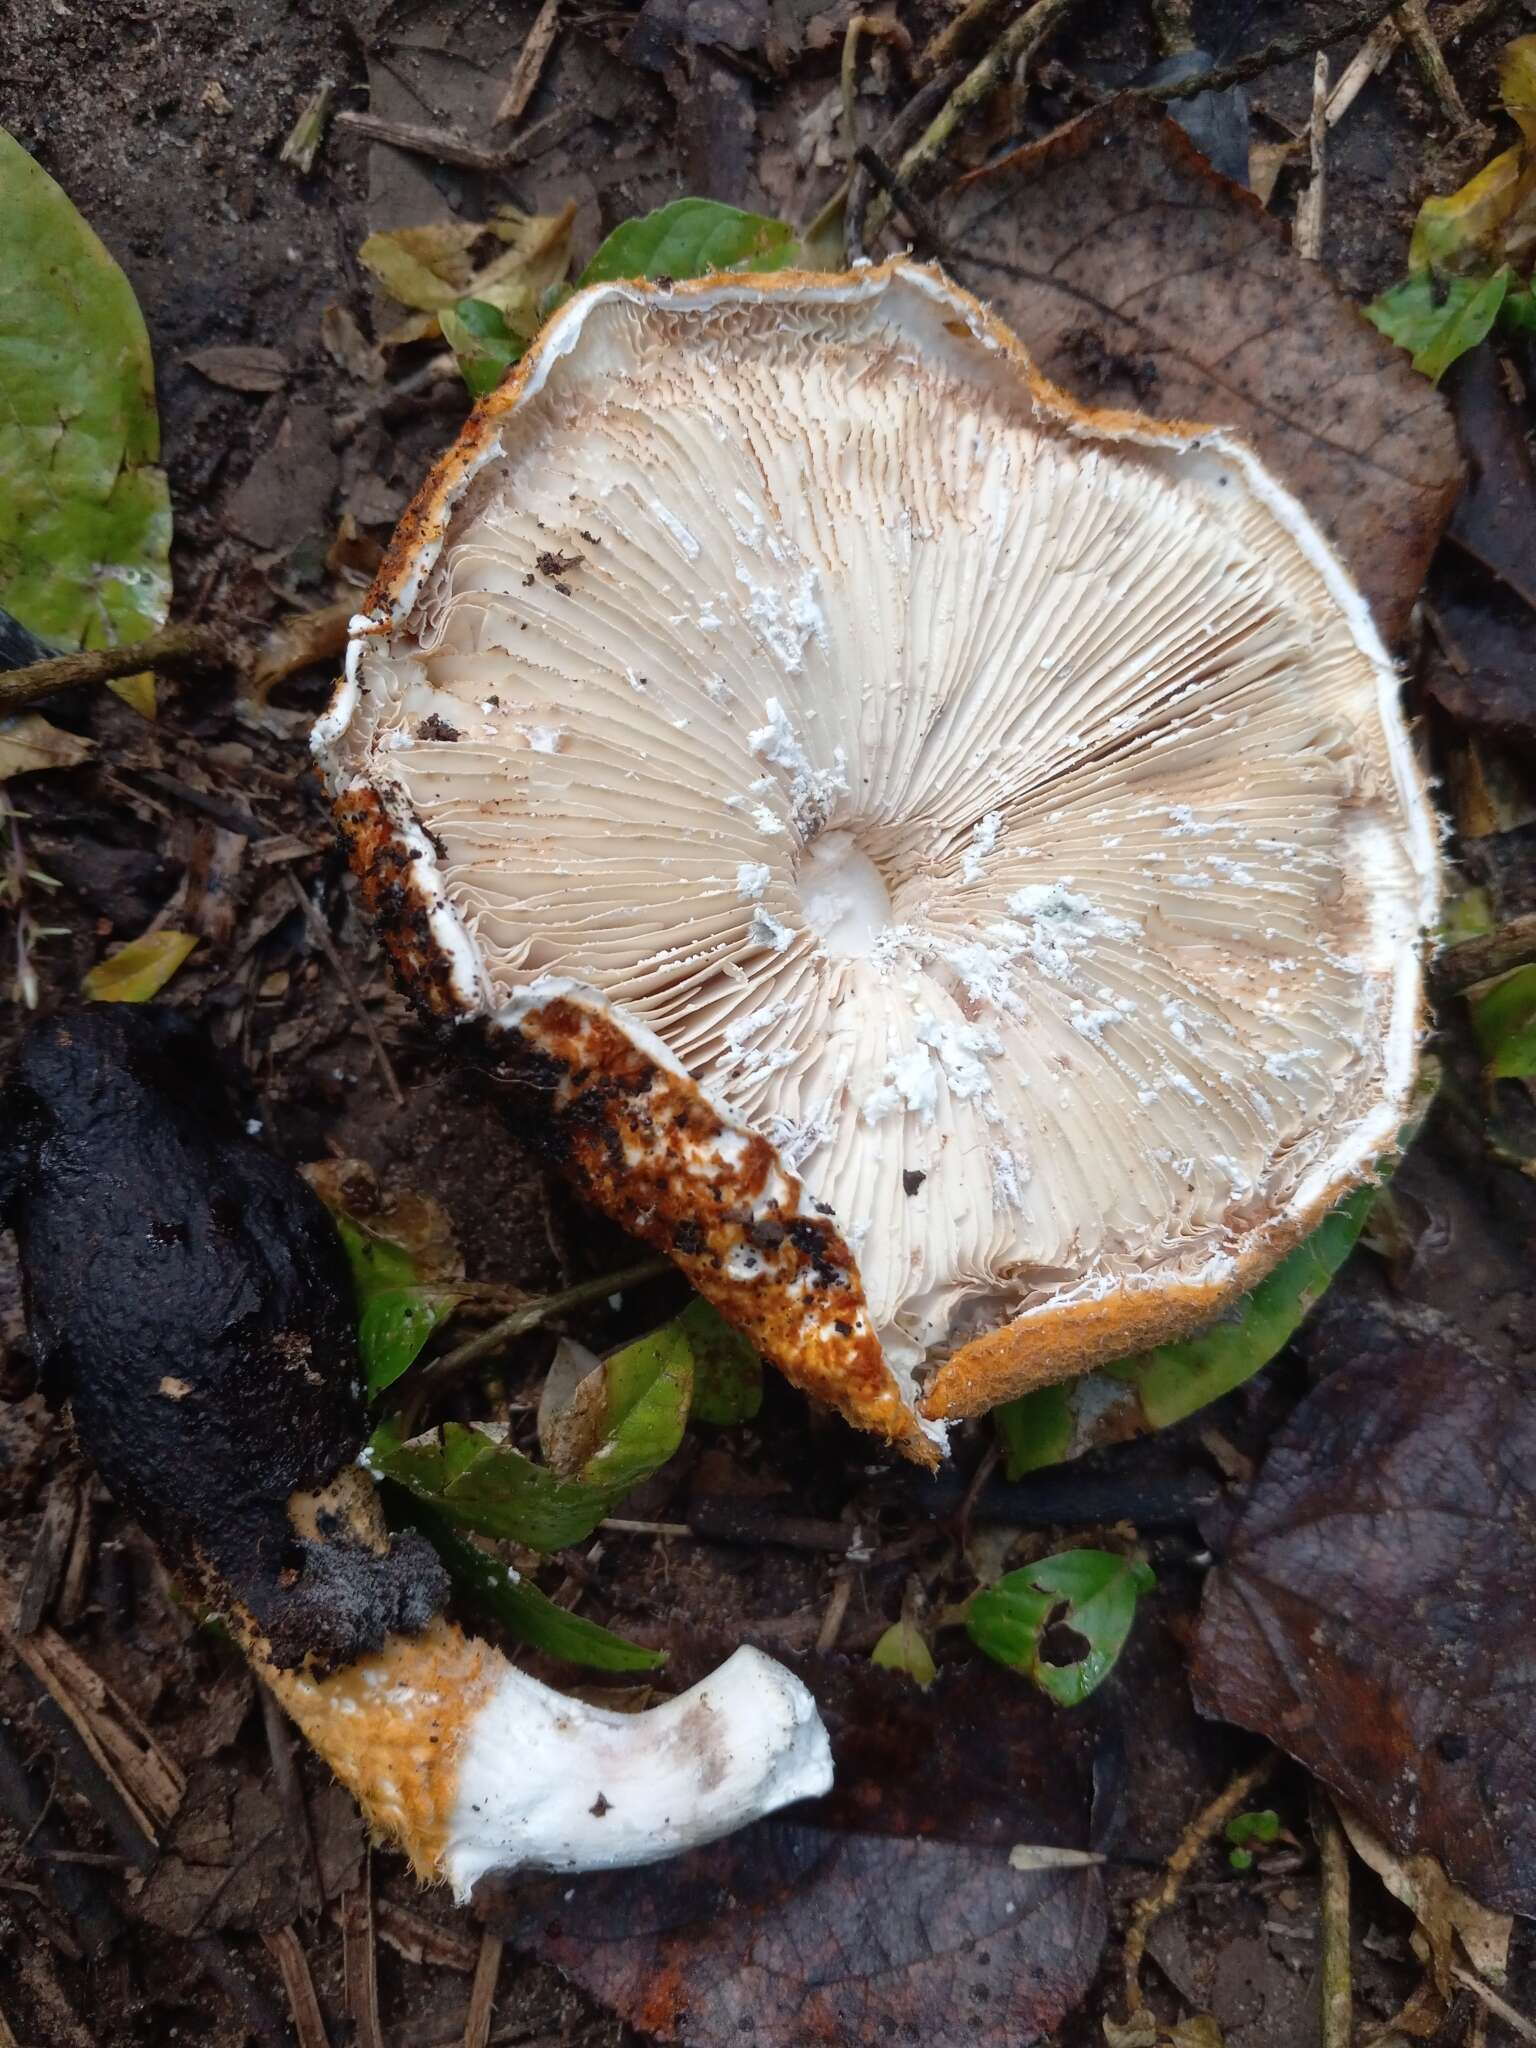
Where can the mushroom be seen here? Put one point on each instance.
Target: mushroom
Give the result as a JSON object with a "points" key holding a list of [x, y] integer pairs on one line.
{"points": [[188, 1296], [949, 866]]}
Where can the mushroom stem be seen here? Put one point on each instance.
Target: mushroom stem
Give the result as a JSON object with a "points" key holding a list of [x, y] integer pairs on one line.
{"points": [[471, 1766]]}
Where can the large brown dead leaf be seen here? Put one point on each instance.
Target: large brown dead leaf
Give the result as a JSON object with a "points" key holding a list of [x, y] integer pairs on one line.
{"points": [[1374, 1610], [888, 1912], [1138, 277]]}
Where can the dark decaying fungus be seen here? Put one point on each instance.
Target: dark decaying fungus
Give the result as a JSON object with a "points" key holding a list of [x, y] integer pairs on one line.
{"points": [[188, 1298]]}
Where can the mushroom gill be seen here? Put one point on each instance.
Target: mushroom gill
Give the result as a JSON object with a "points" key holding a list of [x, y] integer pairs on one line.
{"points": [[1004, 810]]}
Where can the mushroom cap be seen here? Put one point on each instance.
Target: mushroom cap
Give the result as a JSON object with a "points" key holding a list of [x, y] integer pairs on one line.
{"points": [[953, 861]]}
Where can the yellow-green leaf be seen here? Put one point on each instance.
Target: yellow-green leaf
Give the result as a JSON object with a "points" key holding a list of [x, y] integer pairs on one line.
{"points": [[1504, 1024], [904, 1648], [1438, 319], [85, 511], [137, 972], [691, 238]]}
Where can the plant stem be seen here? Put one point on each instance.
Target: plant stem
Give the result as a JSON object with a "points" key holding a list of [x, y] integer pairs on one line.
{"points": [[529, 1317]]}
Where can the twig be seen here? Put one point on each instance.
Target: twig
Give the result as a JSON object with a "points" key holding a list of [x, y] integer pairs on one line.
{"points": [[1501, 2009], [1207, 1823], [181, 649], [288, 1950], [1012, 51], [837, 1608], [482, 1992], [1338, 2019], [960, 35], [924, 228], [1461, 967], [618, 1525], [360, 1958], [1307, 238], [531, 59], [912, 119], [1372, 57], [1279, 50], [1413, 26], [50, 1551], [320, 932], [443, 147], [529, 1317]]}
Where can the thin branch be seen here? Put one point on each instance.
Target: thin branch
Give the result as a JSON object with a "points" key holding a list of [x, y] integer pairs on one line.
{"points": [[182, 649], [321, 934], [500, 1334], [1413, 26], [1462, 967]]}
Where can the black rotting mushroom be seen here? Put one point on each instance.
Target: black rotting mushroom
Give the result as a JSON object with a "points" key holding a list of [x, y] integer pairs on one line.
{"points": [[188, 1297]]}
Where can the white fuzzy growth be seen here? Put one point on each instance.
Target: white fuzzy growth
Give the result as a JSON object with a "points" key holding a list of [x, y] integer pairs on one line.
{"points": [[535, 1764], [752, 878], [984, 839]]}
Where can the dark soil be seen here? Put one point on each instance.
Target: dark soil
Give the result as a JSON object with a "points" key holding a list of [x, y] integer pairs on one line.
{"points": [[163, 121]]}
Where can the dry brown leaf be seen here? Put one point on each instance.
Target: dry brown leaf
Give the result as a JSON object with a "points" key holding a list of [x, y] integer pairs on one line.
{"points": [[241, 368], [29, 744], [1441, 1908], [1137, 277]]}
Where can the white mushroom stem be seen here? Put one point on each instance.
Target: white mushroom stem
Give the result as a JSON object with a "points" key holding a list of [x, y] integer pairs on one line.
{"points": [[471, 1766]]}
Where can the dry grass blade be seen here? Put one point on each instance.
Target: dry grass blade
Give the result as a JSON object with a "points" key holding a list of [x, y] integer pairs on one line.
{"points": [[1413, 26], [149, 1783], [429, 1944], [1501, 2008], [360, 1961], [288, 1952], [482, 1993], [1308, 236], [50, 1551]]}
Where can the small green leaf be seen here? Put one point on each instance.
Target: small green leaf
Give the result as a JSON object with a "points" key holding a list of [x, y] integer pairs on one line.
{"points": [[478, 1479], [903, 1648], [647, 1387], [482, 342], [1504, 1024], [1035, 1430], [1240, 1859], [517, 1604], [1091, 1592], [691, 238], [394, 1325], [85, 511], [1439, 319], [396, 1316], [1260, 1826], [727, 1372], [137, 972]]}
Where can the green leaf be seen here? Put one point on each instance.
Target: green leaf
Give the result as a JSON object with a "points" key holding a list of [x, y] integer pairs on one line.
{"points": [[517, 1604], [1035, 1430], [647, 1387], [85, 512], [1262, 1825], [137, 972], [1517, 315], [1093, 1592], [903, 1648], [476, 1478], [727, 1372], [396, 1315], [1504, 1024], [691, 238], [483, 343], [1176, 1379], [1436, 319]]}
